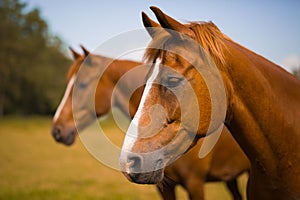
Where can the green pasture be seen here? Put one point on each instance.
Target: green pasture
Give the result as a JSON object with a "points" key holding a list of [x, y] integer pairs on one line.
{"points": [[33, 166]]}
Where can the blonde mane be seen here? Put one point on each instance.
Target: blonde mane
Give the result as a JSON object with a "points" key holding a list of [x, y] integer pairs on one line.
{"points": [[211, 39], [207, 35]]}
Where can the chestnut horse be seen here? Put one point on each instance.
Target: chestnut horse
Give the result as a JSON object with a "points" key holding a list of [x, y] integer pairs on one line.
{"points": [[225, 163], [63, 126], [261, 109]]}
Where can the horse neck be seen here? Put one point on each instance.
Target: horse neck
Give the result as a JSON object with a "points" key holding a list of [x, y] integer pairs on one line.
{"points": [[123, 97], [262, 108]]}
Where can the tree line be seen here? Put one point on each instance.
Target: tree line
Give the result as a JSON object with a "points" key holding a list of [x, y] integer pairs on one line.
{"points": [[296, 72], [33, 65]]}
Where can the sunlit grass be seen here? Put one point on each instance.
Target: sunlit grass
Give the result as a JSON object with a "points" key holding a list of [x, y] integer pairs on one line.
{"points": [[34, 166]]}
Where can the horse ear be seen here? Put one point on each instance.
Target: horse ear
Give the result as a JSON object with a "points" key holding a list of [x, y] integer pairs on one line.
{"points": [[85, 51], [149, 24], [74, 53], [170, 23]]}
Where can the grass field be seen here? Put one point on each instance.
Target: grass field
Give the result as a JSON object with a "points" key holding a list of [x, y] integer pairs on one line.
{"points": [[33, 166]]}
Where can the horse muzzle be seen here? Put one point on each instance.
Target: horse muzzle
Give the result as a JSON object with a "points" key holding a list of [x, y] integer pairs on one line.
{"points": [[62, 135], [142, 169]]}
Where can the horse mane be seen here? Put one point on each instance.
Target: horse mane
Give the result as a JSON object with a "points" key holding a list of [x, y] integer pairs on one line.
{"points": [[207, 35], [210, 38]]}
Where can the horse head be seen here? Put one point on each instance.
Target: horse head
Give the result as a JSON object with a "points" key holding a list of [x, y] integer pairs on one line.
{"points": [[84, 88], [176, 107]]}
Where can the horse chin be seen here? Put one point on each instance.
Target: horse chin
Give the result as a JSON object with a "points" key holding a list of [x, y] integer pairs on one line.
{"points": [[69, 139], [147, 177]]}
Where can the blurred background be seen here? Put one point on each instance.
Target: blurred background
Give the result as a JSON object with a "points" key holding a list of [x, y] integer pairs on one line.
{"points": [[35, 36], [34, 59]]}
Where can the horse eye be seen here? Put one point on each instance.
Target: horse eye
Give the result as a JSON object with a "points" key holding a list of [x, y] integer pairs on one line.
{"points": [[173, 81]]}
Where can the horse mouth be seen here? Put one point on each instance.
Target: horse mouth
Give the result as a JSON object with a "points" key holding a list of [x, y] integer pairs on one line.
{"points": [[146, 178], [67, 139]]}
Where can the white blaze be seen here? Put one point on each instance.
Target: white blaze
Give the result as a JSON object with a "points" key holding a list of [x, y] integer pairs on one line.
{"points": [[132, 132], [64, 99]]}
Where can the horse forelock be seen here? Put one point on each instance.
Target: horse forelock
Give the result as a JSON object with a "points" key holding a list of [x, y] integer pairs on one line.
{"points": [[155, 47], [208, 35], [98, 59], [74, 68]]}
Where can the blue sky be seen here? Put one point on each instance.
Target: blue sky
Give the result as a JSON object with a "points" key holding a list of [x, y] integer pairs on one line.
{"points": [[270, 28]]}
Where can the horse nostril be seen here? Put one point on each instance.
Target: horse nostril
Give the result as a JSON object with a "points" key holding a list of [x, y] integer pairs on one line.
{"points": [[134, 163], [159, 164], [56, 132]]}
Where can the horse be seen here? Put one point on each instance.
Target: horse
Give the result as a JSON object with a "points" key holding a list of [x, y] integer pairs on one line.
{"points": [[225, 163], [262, 103], [63, 126]]}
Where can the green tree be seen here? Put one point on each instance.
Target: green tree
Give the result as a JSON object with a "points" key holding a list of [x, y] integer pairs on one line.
{"points": [[296, 72], [32, 63]]}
